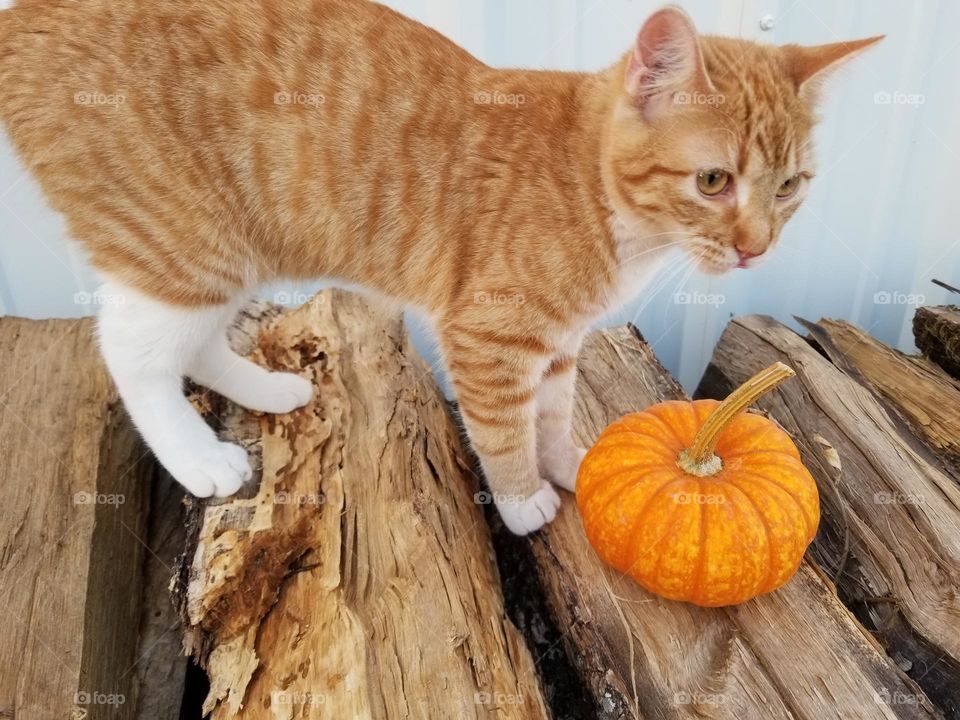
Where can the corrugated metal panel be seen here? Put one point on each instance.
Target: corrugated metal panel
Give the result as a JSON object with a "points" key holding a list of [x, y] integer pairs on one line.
{"points": [[877, 226]]}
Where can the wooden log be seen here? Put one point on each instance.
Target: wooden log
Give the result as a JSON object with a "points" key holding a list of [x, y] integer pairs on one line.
{"points": [[888, 535], [355, 578], [796, 653], [937, 334], [75, 485], [161, 666], [916, 389]]}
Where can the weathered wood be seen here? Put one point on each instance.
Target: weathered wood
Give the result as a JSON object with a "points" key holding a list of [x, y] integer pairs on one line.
{"points": [[796, 653], [937, 334], [925, 396], [161, 665], [888, 535], [75, 483], [356, 580]]}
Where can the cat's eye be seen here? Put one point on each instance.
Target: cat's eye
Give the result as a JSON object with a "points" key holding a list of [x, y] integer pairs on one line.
{"points": [[789, 187], [712, 182]]}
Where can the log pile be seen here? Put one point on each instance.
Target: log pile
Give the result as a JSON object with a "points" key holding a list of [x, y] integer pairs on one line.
{"points": [[889, 535], [937, 332], [361, 575]]}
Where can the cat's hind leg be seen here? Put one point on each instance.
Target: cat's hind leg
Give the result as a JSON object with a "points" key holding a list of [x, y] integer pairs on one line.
{"points": [[147, 346], [559, 457], [219, 368]]}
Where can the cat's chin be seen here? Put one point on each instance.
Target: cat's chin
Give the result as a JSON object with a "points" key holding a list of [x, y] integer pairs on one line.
{"points": [[714, 268]]}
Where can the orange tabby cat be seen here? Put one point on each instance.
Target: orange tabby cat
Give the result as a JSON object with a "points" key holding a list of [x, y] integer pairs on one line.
{"points": [[199, 148]]}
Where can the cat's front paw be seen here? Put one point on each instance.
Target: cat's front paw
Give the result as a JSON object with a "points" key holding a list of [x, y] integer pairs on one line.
{"points": [[560, 466], [218, 472], [281, 393], [527, 515]]}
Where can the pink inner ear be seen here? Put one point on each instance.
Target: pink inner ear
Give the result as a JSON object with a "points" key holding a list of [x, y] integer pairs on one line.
{"points": [[661, 53], [635, 72]]}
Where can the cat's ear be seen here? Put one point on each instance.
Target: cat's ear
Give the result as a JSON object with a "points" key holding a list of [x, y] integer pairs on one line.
{"points": [[666, 58], [810, 66]]}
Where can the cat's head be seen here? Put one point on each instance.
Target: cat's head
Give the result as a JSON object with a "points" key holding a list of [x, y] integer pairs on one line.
{"points": [[709, 144]]}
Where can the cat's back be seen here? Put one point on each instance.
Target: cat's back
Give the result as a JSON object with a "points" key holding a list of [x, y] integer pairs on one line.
{"points": [[166, 121], [60, 57]]}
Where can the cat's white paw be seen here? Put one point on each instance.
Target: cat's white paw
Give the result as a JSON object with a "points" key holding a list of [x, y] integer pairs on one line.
{"points": [[529, 515], [280, 393], [219, 472], [560, 466]]}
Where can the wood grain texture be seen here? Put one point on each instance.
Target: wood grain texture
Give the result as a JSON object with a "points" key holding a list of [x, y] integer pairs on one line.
{"points": [[796, 653], [888, 534], [937, 333], [75, 484], [161, 666], [357, 580], [916, 388]]}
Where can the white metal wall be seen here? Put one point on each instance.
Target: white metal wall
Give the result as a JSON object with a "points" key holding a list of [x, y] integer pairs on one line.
{"points": [[879, 223]]}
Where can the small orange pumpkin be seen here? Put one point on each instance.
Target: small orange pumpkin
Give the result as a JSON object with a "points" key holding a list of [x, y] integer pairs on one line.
{"points": [[700, 501]]}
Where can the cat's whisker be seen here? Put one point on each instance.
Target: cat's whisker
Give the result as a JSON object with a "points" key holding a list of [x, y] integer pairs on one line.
{"points": [[670, 272], [658, 248]]}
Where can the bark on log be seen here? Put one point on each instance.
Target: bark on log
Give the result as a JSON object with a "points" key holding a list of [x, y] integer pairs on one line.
{"points": [[75, 481], [796, 653], [888, 535], [355, 580], [918, 390], [937, 333]]}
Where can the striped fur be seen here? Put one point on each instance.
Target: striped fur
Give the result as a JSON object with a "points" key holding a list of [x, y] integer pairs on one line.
{"points": [[198, 148]]}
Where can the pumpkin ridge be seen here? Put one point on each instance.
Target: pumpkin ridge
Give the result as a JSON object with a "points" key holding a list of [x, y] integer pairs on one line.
{"points": [[770, 451], [648, 438], [655, 570], [771, 481], [642, 513], [771, 565], [746, 438], [700, 570], [680, 441], [616, 496]]}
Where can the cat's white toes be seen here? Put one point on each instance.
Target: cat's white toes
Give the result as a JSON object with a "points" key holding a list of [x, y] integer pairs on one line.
{"points": [[529, 515], [561, 467], [220, 473], [282, 393]]}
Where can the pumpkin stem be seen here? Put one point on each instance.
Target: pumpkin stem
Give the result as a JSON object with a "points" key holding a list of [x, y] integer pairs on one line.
{"points": [[700, 459]]}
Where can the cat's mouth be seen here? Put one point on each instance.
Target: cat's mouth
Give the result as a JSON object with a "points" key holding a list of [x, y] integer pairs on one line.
{"points": [[713, 257]]}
